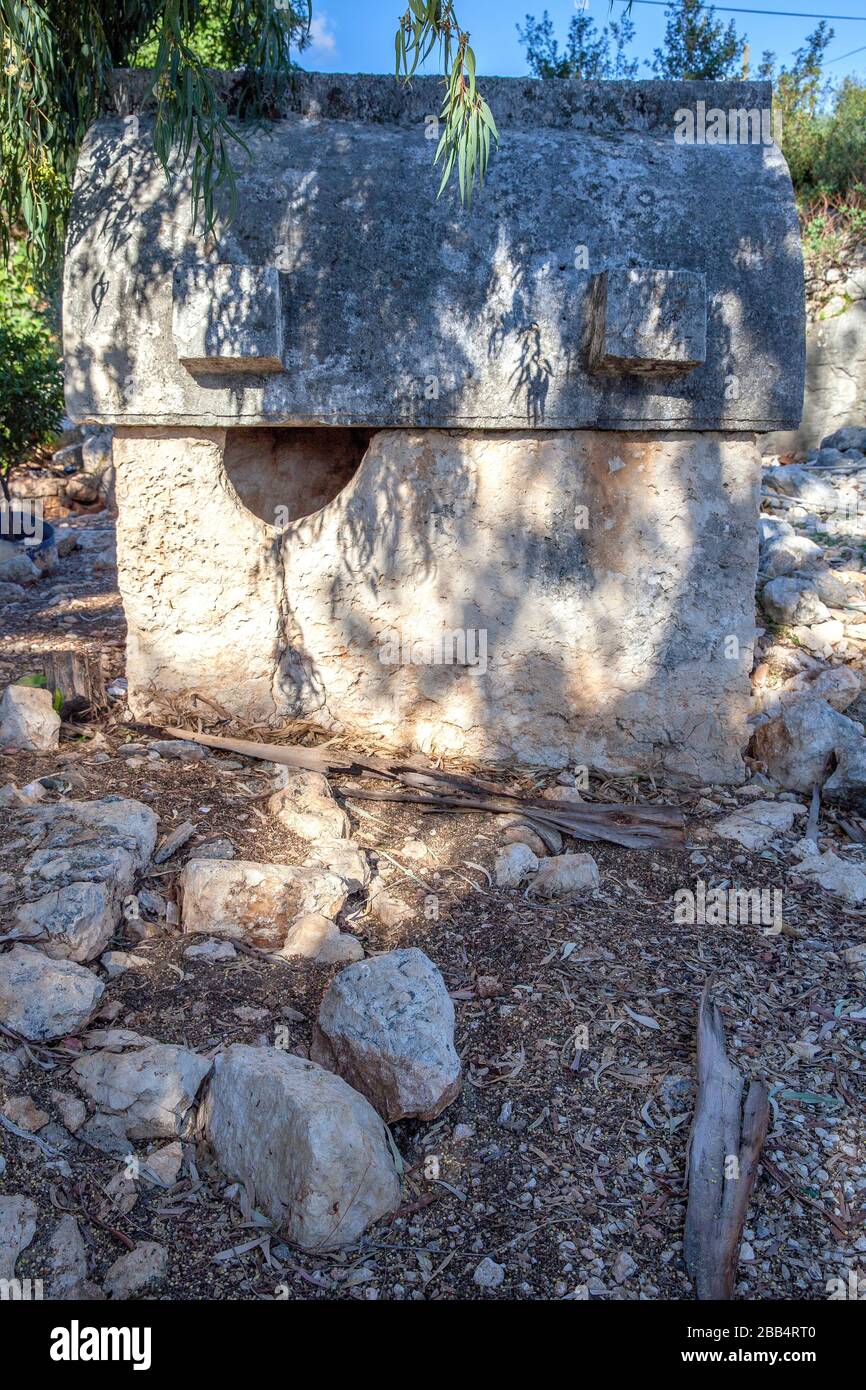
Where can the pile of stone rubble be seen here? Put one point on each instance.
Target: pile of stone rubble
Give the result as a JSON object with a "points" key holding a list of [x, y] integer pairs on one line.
{"points": [[811, 653]]}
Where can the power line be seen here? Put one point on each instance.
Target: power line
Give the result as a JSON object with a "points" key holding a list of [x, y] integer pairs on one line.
{"points": [[782, 14], [846, 55]]}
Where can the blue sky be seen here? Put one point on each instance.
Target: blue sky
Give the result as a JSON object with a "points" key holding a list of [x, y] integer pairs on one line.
{"points": [[359, 37]]}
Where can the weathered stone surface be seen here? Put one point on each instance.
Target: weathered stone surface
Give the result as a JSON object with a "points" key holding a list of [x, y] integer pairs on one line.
{"points": [[228, 318], [514, 864], [44, 999], [794, 746], [340, 950], [67, 1262], [306, 806], [211, 951], [308, 934], [756, 825], [140, 1271], [785, 555], [648, 321], [495, 308], [387, 1026], [23, 1111], [151, 1088], [793, 601], [73, 923], [560, 874], [312, 1152], [16, 567], [28, 719], [838, 685], [254, 902], [835, 385], [849, 776], [82, 487], [343, 858], [18, 1217], [834, 875], [587, 657]]}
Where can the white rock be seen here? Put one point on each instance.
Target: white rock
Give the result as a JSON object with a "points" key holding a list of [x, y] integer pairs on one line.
{"points": [[386, 1025], [343, 950], [312, 1153], [756, 825], [152, 1089], [308, 934], [835, 875], [624, 1266], [488, 1274], [211, 951], [18, 1217], [115, 963], [306, 806], [73, 1112], [254, 902], [16, 567], [838, 685], [75, 922], [343, 858], [560, 874], [28, 719], [140, 1271], [67, 1261], [163, 1165], [44, 999], [513, 864], [794, 745]]}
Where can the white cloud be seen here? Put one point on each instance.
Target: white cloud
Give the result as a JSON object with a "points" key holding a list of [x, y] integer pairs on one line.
{"points": [[323, 42]]}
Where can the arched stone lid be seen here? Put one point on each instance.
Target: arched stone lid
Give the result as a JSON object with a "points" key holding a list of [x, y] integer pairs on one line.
{"points": [[620, 269]]}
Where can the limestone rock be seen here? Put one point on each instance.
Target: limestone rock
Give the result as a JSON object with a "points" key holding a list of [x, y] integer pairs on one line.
{"points": [[82, 487], [386, 908], [794, 746], [340, 950], [834, 875], [343, 858], [115, 963], [312, 1153], [306, 806], [788, 554], [75, 922], [254, 902], [16, 567], [140, 1271], [211, 951], [514, 864], [488, 1274], [28, 719], [838, 685], [560, 874], [44, 999], [756, 825], [67, 1261], [849, 776], [18, 1216], [163, 1165], [24, 1113], [151, 1089], [387, 1026], [793, 601], [308, 934], [73, 1111]]}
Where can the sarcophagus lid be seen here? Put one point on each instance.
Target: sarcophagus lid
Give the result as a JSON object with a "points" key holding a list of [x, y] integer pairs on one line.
{"points": [[632, 262]]}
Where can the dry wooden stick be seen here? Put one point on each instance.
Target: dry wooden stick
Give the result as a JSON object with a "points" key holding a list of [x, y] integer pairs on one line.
{"points": [[635, 827], [723, 1156]]}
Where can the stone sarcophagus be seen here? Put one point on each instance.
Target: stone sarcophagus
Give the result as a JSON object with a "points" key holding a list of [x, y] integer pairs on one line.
{"points": [[481, 482]]}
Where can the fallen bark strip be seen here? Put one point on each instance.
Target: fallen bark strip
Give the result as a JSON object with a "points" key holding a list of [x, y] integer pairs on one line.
{"points": [[633, 826], [723, 1155], [611, 823]]}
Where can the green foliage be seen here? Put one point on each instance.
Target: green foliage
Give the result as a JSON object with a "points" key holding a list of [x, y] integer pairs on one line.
{"points": [[697, 45], [587, 53], [469, 123], [31, 379], [57, 62]]}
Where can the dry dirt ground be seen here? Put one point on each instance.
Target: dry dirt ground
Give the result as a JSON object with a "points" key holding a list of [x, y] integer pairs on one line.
{"points": [[563, 1158]]}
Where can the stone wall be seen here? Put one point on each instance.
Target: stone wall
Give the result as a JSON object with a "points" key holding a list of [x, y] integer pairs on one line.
{"points": [[595, 589], [835, 381]]}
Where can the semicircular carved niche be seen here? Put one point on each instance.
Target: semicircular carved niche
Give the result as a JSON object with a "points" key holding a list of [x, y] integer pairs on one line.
{"points": [[284, 474]]}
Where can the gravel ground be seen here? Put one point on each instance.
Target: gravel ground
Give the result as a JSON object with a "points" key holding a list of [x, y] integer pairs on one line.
{"points": [[563, 1159]]}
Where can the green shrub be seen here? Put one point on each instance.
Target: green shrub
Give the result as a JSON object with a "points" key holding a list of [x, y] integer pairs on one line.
{"points": [[31, 376]]}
